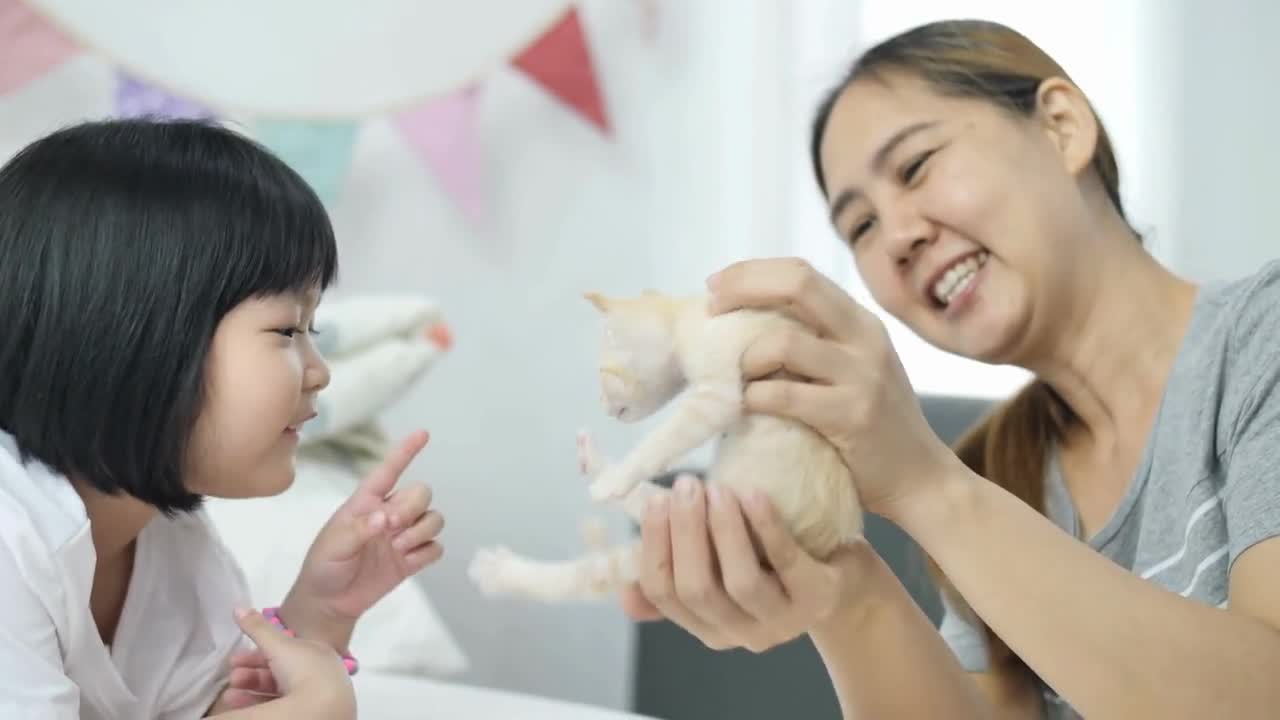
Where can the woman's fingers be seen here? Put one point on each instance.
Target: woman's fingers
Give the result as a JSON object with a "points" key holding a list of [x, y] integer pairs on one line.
{"points": [[657, 576], [790, 285], [829, 410], [637, 607], [747, 583], [798, 353], [796, 569], [697, 580]]}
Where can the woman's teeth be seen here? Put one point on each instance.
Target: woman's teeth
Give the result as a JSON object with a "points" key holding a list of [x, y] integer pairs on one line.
{"points": [[956, 279]]}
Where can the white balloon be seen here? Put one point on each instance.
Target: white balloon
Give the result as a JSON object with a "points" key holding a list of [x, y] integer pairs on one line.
{"points": [[306, 58]]}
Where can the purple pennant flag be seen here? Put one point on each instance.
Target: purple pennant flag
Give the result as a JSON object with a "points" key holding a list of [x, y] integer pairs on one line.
{"points": [[135, 98]]}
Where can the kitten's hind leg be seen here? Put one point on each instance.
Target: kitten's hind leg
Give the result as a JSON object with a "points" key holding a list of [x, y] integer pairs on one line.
{"points": [[591, 463], [599, 573]]}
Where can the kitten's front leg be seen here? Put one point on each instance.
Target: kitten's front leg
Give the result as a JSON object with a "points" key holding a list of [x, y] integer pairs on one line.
{"points": [[704, 411], [591, 463]]}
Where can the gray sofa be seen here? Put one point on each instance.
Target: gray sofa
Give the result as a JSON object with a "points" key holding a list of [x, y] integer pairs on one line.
{"points": [[677, 678]]}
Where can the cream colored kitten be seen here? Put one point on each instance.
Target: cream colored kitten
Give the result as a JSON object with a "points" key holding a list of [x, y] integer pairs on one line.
{"points": [[657, 349]]}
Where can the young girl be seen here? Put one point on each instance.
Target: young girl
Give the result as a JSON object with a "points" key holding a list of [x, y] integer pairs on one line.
{"points": [[157, 284]]}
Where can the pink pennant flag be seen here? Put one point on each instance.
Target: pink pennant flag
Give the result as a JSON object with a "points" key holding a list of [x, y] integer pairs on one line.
{"points": [[30, 45], [444, 131]]}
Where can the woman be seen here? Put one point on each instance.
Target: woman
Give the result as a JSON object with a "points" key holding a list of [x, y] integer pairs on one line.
{"points": [[157, 283], [1108, 536]]}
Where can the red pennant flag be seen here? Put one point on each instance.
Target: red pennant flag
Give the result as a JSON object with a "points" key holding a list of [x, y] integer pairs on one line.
{"points": [[561, 62]]}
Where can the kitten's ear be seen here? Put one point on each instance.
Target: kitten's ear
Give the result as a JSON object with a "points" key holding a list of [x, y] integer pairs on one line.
{"points": [[600, 301]]}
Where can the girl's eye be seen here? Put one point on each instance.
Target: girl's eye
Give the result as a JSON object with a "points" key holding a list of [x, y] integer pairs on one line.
{"points": [[287, 332]]}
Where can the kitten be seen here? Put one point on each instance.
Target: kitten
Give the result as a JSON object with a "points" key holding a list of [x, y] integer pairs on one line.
{"points": [[657, 349]]}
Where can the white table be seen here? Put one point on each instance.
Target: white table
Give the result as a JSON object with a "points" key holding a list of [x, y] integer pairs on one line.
{"points": [[391, 697]]}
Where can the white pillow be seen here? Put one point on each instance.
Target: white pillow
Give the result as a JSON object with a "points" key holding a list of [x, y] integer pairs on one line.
{"points": [[269, 537]]}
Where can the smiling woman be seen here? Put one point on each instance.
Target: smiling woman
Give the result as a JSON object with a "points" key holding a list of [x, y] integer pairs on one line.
{"points": [[1110, 536]]}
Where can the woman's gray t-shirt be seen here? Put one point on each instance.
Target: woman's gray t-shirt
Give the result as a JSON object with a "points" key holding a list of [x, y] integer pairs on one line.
{"points": [[1208, 485]]}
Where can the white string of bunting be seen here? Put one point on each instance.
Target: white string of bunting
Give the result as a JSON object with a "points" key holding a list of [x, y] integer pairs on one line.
{"points": [[38, 36]]}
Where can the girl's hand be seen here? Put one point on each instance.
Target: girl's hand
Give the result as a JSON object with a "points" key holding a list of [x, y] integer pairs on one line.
{"points": [[853, 391], [699, 569], [376, 539], [308, 670]]}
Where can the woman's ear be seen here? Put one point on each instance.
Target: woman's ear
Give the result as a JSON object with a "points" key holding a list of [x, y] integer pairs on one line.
{"points": [[1069, 121]]}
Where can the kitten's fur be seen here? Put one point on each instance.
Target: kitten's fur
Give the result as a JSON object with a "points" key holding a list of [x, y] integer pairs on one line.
{"points": [[655, 349]]}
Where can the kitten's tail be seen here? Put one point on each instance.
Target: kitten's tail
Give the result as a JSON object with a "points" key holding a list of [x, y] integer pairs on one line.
{"points": [[598, 574]]}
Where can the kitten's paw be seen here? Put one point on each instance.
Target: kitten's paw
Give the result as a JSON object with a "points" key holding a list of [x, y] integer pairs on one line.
{"points": [[614, 483], [595, 534], [491, 569], [590, 462]]}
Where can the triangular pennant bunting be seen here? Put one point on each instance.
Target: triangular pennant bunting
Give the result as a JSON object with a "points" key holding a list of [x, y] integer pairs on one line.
{"points": [[318, 151], [30, 45], [135, 98], [444, 131], [561, 62]]}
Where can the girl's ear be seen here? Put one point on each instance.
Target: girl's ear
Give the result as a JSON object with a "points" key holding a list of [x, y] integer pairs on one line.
{"points": [[600, 301]]}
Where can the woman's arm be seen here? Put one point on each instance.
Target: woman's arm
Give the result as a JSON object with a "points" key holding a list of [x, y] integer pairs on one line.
{"points": [[1111, 643], [700, 569], [887, 660]]}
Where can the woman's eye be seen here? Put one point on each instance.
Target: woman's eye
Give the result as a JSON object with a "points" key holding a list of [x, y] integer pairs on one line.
{"points": [[861, 229], [909, 172], [288, 332]]}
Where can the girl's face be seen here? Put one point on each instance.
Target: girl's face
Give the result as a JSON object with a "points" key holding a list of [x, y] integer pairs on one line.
{"points": [[262, 377]]}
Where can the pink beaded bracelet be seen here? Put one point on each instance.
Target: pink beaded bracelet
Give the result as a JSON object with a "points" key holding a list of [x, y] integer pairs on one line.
{"points": [[272, 614]]}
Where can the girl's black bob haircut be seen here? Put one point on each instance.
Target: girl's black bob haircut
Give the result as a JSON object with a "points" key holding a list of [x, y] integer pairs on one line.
{"points": [[123, 244]]}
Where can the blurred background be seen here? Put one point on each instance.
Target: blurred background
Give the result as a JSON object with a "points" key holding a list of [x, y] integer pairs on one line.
{"points": [[499, 157]]}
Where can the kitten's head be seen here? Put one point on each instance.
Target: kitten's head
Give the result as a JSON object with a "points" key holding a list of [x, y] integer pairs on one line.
{"points": [[639, 371]]}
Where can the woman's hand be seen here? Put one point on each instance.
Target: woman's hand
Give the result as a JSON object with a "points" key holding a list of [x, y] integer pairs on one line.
{"points": [[700, 569], [376, 539], [854, 391]]}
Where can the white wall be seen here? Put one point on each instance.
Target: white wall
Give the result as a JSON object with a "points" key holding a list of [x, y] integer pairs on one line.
{"points": [[1227, 158], [663, 205]]}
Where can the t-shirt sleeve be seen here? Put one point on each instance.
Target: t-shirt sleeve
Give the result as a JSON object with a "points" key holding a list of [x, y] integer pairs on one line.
{"points": [[1251, 490], [33, 683], [966, 638]]}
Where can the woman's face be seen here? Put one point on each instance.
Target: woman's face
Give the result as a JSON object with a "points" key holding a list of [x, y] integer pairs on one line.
{"points": [[959, 213]]}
